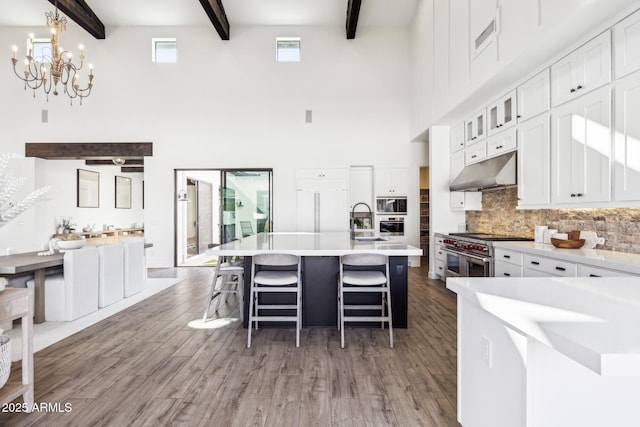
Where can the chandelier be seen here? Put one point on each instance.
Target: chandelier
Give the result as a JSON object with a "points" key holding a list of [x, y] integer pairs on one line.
{"points": [[49, 71]]}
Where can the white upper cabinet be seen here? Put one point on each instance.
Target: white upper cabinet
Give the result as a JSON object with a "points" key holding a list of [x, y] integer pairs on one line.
{"points": [[360, 185], [533, 96], [585, 69], [581, 149], [391, 182], [533, 161], [456, 139], [627, 139], [475, 127], [502, 142], [475, 152], [626, 45], [502, 113]]}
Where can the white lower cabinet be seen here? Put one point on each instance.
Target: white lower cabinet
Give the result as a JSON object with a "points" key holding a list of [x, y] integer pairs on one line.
{"points": [[504, 269], [549, 266], [590, 271]]}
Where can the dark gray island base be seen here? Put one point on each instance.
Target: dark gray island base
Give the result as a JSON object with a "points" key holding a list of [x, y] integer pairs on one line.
{"points": [[320, 292]]}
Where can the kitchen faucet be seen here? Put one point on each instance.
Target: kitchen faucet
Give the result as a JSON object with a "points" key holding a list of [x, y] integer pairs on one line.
{"points": [[353, 218]]}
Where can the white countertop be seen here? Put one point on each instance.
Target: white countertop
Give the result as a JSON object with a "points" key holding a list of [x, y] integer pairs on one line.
{"points": [[594, 321], [596, 257], [311, 244]]}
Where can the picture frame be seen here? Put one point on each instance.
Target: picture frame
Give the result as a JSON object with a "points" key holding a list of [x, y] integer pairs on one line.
{"points": [[88, 189], [123, 192]]}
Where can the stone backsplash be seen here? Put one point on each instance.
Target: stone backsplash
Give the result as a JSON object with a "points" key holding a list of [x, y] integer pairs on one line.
{"points": [[619, 226]]}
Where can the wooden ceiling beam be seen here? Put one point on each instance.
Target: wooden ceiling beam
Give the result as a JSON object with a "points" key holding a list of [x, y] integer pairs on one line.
{"points": [[129, 162], [88, 150], [217, 16], [80, 12], [132, 169], [353, 12]]}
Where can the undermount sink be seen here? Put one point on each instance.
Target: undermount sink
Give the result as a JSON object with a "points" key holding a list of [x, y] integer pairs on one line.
{"points": [[370, 239]]}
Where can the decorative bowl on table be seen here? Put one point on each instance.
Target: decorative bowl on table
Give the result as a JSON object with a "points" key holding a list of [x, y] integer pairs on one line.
{"points": [[567, 244], [66, 245]]}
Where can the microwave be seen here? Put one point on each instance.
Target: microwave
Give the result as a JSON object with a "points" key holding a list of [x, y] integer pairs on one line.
{"points": [[391, 205]]}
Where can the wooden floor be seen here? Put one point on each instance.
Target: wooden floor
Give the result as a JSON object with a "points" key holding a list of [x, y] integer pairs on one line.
{"points": [[146, 366]]}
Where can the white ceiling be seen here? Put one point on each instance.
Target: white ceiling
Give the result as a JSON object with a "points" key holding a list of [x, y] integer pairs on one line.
{"points": [[239, 12]]}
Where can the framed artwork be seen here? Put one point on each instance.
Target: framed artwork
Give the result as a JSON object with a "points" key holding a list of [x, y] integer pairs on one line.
{"points": [[123, 192], [88, 189]]}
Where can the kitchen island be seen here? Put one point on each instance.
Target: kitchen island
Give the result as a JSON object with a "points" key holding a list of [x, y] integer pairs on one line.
{"points": [[545, 351], [320, 254]]}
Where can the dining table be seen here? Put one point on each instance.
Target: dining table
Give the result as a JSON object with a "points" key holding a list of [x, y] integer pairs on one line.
{"points": [[31, 262]]}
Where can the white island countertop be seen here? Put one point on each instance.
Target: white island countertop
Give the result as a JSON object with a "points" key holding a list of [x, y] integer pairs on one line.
{"points": [[312, 244], [597, 257], [594, 321]]}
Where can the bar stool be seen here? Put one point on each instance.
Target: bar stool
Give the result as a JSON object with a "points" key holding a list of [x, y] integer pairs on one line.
{"points": [[275, 280], [361, 280], [228, 278]]}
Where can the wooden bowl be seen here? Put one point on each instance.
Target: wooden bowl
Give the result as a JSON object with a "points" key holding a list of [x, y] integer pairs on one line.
{"points": [[567, 244]]}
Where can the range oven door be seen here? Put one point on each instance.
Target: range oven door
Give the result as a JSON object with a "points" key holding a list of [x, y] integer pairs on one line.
{"points": [[459, 264]]}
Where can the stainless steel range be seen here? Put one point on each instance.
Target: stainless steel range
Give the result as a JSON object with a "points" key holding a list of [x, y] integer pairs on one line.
{"points": [[471, 254]]}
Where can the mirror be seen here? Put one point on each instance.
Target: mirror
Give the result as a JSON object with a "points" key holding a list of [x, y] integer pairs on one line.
{"points": [[88, 186], [123, 192]]}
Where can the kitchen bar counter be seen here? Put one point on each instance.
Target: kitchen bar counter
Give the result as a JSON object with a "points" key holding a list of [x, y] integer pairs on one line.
{"points": [[320, 254], [565, 350], [596, 257], [312, 244]]}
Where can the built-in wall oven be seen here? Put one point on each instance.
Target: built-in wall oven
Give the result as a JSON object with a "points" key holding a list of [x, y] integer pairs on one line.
{"points": [[391, 205], [390, 225], [471, 254]]}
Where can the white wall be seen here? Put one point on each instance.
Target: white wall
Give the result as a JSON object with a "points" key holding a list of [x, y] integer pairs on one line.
{"points": [[228, 105]]}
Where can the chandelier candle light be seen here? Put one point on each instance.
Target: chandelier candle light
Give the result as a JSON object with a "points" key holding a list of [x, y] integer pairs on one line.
{"points": [[47, 72]]}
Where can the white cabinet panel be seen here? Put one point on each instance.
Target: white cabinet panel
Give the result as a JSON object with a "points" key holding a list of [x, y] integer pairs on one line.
{"points": [[458, 50], [590, 271], [360, 185], [391, 182], [508, 256], [475, 152], [627, 139], [581, 150], [549, 266], [533, 162], [626, 45], [585, 69], [502, 142], [504, 269], [533, 96], [476, 127], [501, 114], [457, 138]]}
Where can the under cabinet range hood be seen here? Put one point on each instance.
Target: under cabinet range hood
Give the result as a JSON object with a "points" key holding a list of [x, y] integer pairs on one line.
{"points": [[491, 173]]}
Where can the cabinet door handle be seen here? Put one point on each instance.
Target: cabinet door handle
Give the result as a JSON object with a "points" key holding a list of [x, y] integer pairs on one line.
{"points": [[474, 156], [572, 90], [507, 274], [561, 269], [498, 147], [573, 195], [474, 138], [579, 87], [507, 256], [518, 116], [535, 263], [594, 275], [579, 195]]}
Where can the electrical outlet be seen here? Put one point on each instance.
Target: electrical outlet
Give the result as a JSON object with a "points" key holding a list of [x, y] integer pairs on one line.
{"points": [[485, 348]]}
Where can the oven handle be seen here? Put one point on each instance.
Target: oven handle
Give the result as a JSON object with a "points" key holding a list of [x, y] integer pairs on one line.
{"points": [[464, 254]]}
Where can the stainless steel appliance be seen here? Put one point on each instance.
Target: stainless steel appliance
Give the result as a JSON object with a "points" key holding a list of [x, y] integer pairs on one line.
{"points": [[471, 254], [391, 205], [390, 225]]}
